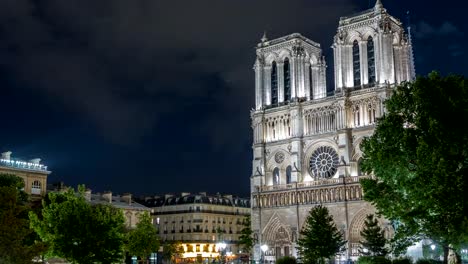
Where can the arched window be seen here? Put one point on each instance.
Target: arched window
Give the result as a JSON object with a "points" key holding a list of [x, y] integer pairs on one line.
{"points": [[311, 90], [276, 176], [36, 187], [274, 84], [288, 174], [287, 80], [371, 60], [356, 64]]}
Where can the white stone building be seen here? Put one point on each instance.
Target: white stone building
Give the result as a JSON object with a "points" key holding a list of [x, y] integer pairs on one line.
{"points": [[306, 143]]}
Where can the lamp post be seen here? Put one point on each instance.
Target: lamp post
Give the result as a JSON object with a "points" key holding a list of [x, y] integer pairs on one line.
{"points": [[264, 248], [221, 246], [433, 253]]}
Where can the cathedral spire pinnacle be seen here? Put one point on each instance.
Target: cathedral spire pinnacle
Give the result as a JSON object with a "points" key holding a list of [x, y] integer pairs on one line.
{"points": [[264, 37], [378, 5]]}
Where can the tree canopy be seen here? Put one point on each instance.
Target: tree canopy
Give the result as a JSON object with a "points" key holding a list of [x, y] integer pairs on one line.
{"points": [[418, 155], [17, 243], [143, 240], [171, 250], [78, 231], [320, 238], [374, 243], [246, 239]]}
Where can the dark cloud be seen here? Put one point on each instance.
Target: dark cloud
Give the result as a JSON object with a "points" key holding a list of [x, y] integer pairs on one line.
{"points": [[425, 30], [120, 64]]}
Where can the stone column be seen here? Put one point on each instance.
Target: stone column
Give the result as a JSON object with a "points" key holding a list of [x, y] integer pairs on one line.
{"points": [[281, 92], [267, 84], [293, 71], [307, 81], [258, 68], [363, 62]]}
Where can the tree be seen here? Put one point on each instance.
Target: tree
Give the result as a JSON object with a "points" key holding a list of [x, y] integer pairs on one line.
{"points": [[418, 155], [246, 239], [320, 238], [374, 238], [143, 240], [171, 250], [78, 231], [17, 243]]}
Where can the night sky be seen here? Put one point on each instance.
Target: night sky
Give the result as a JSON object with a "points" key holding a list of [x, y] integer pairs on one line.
{"points": [[152, 97]]}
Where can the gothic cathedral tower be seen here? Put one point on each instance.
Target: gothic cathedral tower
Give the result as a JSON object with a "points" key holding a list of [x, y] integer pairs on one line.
{"points": [[306, 141]]}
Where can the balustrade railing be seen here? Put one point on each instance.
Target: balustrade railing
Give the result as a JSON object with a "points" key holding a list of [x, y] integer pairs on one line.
{"points": [[22, 164], [317, 183]]}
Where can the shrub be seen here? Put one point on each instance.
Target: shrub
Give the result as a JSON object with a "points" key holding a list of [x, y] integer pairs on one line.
{"points": [[373, 260], [286, 260], [402, 260]]}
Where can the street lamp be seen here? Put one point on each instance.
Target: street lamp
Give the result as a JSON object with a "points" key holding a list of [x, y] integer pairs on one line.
{"points": [[264, 248], [221, 246]]}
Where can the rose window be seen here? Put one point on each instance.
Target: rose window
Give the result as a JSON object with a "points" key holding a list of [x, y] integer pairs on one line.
{"points": [[323, 162]]}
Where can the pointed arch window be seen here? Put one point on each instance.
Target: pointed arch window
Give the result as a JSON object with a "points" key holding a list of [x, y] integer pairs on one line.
{"points": [[371, 60], [311, 90], [287, 80], [356, 64], [276, 176], [274, 84], [288, 174]]}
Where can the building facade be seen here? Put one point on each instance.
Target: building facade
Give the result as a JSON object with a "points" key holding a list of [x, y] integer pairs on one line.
{"points": [[32, 172], [207, 226], [131, 209], [306, 141]]}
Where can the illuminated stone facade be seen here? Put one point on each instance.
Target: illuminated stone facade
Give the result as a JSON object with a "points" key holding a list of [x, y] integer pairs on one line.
{"points": [[306, 141], [200, 222], [32, 172]]}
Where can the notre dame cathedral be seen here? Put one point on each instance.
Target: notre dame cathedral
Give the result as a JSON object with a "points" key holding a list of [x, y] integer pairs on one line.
{"points": [[306, 142]]}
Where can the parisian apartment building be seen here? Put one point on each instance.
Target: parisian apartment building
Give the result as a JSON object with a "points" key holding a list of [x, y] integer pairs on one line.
{"points": [[207, 226]]}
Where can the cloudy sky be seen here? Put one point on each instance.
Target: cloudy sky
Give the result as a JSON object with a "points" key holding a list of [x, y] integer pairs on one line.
{"points": [[153, 96]]}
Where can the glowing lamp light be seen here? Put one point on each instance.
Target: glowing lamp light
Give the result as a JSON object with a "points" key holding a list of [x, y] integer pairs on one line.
{"points": [[264, 248], [433, 246], [221, 246]]}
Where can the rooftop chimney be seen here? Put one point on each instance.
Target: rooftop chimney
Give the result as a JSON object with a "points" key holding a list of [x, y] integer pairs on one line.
{"points": [[6, 155], [127, 198], [107, 196], [35, 161], [87, 194]]}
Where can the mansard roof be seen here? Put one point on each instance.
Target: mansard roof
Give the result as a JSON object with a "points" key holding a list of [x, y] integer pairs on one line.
{"points": [[199, 198]]}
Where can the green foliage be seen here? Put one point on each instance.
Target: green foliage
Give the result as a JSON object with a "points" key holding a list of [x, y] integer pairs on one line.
{"points": [[419, 157], [320, 239], [373, 260], [78, 231], [11, 180], [17, 243], [402, 260], [143, 240], [171, 250], [246, 239], [286, 260], [374, 238]]}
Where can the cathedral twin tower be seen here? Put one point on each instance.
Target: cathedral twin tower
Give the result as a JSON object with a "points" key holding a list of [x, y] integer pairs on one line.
{"points": [[306, 142]]}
